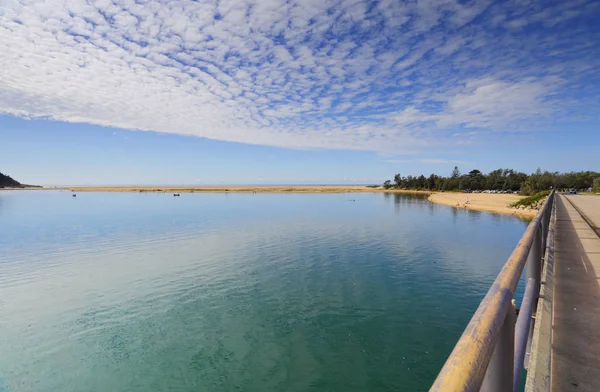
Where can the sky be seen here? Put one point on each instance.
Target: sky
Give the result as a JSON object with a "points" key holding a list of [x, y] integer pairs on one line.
{"points": [[294, 92]]}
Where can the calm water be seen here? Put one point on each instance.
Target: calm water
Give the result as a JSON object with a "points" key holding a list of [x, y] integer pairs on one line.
{"points": [[237, 292]]}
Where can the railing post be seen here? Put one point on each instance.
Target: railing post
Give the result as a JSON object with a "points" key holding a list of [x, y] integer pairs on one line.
{"points": [[534, 259], [535, 263], [499, 373], [534, 271], [483, 358], [549, 211], [542, 234], [545, 221], [539, 366], [522, 331]]}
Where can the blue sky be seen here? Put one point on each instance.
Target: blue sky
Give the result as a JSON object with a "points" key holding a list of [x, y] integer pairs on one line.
{"points": [[302, 91]]}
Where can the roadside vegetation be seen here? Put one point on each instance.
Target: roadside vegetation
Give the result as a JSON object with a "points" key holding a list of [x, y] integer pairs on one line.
{"points": [[596, 186], [531, 200], [498, 181]]}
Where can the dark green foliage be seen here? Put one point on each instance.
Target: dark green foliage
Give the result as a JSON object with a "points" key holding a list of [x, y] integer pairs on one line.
{"points": [[455, 172], [9, 182], [506, 180], [527, 201], [546, 180]]}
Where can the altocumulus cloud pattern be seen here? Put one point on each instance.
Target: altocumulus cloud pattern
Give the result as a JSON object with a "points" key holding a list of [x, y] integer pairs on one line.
{"points": [[367, 75]]}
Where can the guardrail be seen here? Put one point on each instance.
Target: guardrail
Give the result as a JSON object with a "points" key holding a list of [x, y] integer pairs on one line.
{"points": [[491, 352]]}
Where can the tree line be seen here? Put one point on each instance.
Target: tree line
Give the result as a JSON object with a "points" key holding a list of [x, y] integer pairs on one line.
{"points": [[498, 180]]}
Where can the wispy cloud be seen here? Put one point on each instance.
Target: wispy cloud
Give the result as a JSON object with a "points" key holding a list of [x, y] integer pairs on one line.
{"points": [[431, 161], [488, 104], [376, 75]]}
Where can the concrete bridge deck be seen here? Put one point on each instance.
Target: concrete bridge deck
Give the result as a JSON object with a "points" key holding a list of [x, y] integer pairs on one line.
{"points": [[576, 319]]}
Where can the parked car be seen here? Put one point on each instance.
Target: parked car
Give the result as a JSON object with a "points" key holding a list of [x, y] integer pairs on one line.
{"points": [[573, 191]]}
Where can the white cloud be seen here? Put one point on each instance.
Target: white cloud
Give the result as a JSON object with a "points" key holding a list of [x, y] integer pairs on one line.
{"points": [[300, 74], [431, 161], [488, 104]]}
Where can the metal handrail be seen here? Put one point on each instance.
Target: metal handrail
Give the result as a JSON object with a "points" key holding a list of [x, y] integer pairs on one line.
{"points": [[468, 366], [522, 329], [540, 361]]}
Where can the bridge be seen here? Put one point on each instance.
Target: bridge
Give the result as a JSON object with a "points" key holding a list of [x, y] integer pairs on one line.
{"points": [[551, 340]]}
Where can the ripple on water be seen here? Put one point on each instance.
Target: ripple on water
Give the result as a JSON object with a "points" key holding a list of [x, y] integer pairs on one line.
{"points": [[244, 292]]}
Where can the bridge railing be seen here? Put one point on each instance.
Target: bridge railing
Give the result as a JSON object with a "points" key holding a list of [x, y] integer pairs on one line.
{"points": [[491, 352]]}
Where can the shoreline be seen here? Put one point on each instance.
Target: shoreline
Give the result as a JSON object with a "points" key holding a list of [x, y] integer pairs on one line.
{"points": [[488, 202], [237, 189], [495, 203]]}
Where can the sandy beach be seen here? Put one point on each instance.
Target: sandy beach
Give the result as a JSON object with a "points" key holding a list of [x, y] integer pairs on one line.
{"points": [[498, 203]]}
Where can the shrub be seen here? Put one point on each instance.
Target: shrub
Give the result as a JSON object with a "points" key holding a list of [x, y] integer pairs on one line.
{"points": [[528, 201], [596, 187]]}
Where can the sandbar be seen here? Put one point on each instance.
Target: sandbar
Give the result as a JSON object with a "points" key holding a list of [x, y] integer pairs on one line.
{"points": [[497, 203]]}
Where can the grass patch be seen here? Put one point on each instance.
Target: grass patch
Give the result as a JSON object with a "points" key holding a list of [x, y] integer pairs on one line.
{"points": [[373, 186], [528, 201]]}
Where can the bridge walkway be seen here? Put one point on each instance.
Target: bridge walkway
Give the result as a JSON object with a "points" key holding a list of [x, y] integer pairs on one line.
{"points": [[576, 315]]}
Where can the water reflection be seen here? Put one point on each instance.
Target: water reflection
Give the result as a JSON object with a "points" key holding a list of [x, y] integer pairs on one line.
{"points": [[431, 208], [474, 214], [406, 200], [454, 214], [256, 292]]}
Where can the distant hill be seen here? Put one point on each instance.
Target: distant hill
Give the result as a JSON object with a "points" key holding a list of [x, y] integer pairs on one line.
{"points": [[9, 182]]}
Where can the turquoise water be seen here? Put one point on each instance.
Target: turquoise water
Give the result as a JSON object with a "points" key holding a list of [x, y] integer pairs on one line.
{"points": [[237, 292]]}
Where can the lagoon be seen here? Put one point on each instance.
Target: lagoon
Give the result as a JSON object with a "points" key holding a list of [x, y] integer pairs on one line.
{"points": [[238, 292]]}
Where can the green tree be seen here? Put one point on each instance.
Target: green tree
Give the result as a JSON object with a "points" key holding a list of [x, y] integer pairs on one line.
{"points": [[514, 180], [495, 179], [539, 181], [422, 182], [455, 172], [398, 180], [465, 183], [596, 185], [499, 179], [476, 180], [454, 180], [445, 184], [432, 182]]}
